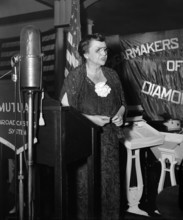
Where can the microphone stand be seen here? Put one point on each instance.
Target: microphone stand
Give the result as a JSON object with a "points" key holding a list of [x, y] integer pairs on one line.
{"points": [[21, 189], [31, 67], [30, 155], [30, 159], [20, 175]]}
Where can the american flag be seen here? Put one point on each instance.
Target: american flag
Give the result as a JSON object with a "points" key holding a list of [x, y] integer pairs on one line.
{"points": [[73, 38]]}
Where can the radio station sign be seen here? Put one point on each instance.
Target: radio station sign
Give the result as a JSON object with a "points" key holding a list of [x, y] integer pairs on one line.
{"points": [[14, 117]]}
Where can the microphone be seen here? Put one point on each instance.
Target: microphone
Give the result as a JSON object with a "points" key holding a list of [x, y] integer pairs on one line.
{"points": [[31, 59]]}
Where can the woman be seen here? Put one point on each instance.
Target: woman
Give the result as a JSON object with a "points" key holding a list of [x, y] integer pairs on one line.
{"points": [[96, 91]]}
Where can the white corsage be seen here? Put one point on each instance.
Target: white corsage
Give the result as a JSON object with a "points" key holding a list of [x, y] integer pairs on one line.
{"points": [[102, 89]]}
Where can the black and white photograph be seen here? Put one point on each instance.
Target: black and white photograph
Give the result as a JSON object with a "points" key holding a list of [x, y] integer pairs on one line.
{"points": [[91, 110]]}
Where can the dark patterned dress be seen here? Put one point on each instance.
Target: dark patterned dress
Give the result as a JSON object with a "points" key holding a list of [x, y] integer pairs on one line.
{"points": [[81, 95]]}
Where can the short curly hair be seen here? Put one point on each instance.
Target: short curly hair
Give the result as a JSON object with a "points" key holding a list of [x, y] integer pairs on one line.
{"points": [[85, 43]]}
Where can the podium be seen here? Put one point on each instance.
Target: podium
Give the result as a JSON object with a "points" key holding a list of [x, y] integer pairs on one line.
{"points": [[80, 139], [138, 135], [66, 138]]}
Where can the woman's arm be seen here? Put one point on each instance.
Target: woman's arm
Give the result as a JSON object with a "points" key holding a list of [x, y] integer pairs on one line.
{"points": [[96, 119], [99, 120], [118, 118]]}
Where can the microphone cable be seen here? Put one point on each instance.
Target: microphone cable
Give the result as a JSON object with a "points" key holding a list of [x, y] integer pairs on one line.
{"points": [[5, 74]]}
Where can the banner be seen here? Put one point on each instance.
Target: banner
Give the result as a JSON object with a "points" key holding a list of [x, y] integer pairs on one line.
{"points": [[153, 72], [14, 125]]}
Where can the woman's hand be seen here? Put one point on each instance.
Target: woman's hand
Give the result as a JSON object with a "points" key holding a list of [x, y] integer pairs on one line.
{"points": [[100, 120], [118, 118]]}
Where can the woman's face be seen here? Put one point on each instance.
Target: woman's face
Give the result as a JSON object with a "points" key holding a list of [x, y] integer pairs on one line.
{"points": [[97, 53]]}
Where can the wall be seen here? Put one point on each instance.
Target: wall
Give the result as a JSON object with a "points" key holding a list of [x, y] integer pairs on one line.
{"points": [[15, 29], [13, 17]]}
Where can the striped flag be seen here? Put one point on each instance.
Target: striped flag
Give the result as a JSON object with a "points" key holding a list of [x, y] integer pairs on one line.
{"points": [[73, 38]]}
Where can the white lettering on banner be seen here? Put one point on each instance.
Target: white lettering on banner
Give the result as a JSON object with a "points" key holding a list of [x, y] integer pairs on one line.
{"points": [[12, 122], [161, 92], [157, 46], [173, 65], [18, 131], [10, 107]]}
